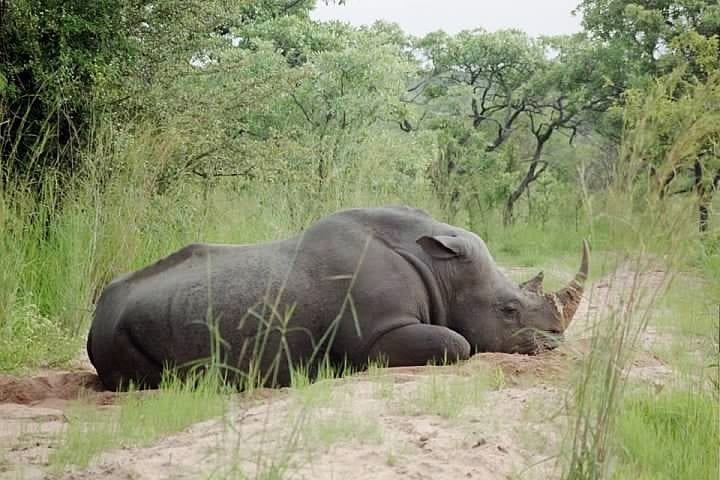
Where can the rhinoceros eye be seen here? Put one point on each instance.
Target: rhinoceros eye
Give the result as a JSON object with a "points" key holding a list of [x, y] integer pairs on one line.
{"points": [[511, 309]]}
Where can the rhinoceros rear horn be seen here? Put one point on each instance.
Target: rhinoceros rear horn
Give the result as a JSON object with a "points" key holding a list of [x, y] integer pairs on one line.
{"points": [[535, 284], [567, 300]]}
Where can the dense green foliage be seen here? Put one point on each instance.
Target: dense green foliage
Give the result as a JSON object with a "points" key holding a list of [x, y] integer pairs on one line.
{"points": [[258, 91], [67, 66], [658, 35], [54, 56], [658, 38], [130, 128]]}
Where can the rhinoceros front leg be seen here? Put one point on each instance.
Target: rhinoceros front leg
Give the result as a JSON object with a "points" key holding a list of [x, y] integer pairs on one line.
{"points": [[418, 344]]}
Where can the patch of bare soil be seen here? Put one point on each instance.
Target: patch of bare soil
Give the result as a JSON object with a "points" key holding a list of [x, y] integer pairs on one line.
{"points": [[500, 437], [32, 415], [371, 426], [49, 387]]}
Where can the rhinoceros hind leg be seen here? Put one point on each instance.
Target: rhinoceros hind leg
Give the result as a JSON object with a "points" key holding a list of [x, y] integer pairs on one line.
{"points": [[126, 363], [419, 344]]}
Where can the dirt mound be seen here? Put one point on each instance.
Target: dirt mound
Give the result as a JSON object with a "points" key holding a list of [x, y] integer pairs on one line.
{"points": [[546, 366], [51, 386]]}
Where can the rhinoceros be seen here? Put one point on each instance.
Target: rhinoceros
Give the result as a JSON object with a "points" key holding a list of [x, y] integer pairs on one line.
{"points": [[386, 284]]}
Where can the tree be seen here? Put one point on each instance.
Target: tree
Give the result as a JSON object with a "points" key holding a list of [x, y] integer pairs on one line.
{"points": [[671, 127], [655, 33], [65, 64], [660, 37], [581, 82], [345, 91], [506, 84], [52, 54], [489, 69], [310, 93]]}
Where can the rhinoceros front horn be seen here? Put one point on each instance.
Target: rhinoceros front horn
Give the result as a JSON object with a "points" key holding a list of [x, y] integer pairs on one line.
{"points": [[567, 300]]}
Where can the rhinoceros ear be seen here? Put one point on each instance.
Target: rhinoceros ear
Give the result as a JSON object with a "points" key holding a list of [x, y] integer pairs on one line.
{"points": [[443, 246]]}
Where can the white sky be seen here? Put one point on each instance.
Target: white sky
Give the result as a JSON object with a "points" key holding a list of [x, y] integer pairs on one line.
{"points": [[418, 17]]}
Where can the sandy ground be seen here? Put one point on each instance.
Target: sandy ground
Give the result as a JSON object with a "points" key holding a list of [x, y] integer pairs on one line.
{"points": [[370, 426]]}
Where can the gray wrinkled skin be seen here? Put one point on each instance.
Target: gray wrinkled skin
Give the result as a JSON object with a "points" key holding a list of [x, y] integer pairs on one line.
{"points": [[382, 283]]}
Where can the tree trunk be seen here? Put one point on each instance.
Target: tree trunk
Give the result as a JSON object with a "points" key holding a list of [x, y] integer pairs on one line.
{"points": [[703, 198], [321, 172], [528, 196], [703, 216], [508, 213], [531, 175]]}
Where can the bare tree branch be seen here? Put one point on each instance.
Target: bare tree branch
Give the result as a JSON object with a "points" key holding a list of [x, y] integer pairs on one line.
{"points": [[302, 109], [247, 173]]}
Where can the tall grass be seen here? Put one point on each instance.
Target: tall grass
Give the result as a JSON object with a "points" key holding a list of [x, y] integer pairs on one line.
{"points": [[654, 234], [62, 244], [669, 436]]}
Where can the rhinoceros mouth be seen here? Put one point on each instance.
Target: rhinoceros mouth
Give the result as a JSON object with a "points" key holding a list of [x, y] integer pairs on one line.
{"points": [[548, 342], [534, 342]]}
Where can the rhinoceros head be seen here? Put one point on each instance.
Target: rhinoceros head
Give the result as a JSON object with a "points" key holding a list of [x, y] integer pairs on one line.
{"points": [[490, 311]]}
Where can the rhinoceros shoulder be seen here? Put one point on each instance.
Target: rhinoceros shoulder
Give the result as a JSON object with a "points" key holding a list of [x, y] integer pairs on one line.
{"points": [[420, 212], [396, 217], [389, 210]]}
